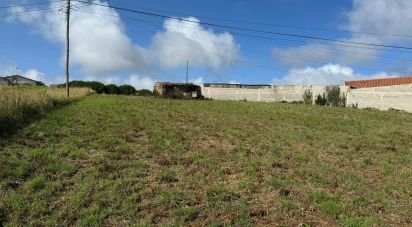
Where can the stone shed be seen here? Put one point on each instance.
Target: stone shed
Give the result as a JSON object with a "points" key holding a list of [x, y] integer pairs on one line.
{"points": [[178, 90]]}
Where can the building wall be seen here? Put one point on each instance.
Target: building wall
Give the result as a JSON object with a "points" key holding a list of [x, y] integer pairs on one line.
{"points": [[382, 98]]}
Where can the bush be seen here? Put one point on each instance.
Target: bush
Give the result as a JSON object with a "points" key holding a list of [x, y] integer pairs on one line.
{"points": [[321, 100], [127, 90], [111, 89], [335, 98], [96, 86], [307, 97], [145, 92]]}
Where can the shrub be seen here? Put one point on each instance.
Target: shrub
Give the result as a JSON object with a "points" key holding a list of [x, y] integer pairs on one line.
{"points": [[111, 89], [321, 100], [307, 97], [96, 86], [335, 98], [145, 92], [127, 90]]}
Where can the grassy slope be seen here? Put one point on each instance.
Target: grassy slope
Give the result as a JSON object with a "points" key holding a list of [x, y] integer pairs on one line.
{"points": [[122, 160]]}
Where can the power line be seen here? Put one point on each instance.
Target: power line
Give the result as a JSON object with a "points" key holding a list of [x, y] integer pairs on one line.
{"points": [[248, 29], [281, 25], [295, 40], [264, 53], [246, 49], [317, 45], [29, 4], [31, 11]]}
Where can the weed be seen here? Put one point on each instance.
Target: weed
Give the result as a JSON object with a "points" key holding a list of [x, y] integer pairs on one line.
{"points": [[221, 194], [167, 176]]}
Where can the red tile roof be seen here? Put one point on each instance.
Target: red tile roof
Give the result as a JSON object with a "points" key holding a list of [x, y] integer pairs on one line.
{"points": [[379, 82]]}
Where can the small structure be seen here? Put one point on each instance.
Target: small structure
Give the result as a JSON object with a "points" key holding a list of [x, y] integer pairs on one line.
{"points": [[356, 84], [178, 90], [18, 80]]}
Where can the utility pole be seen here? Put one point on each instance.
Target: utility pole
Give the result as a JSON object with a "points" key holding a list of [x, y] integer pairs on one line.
{"points": [[67, 45], [187, 72]]}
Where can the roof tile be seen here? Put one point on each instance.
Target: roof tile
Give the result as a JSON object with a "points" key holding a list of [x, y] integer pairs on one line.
{"points": [[379, 82]]}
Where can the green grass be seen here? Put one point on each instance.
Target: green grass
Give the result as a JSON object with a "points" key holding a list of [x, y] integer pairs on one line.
{"points": [[115, 160]]}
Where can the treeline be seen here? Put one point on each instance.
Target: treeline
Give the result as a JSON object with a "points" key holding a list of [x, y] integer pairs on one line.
{"points": [[110, 89]]}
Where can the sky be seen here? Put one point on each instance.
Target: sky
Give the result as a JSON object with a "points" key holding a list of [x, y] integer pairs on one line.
{"points": [[120, 47]]}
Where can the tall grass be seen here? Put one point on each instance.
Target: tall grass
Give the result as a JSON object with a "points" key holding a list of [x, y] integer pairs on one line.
{"points": [[18, 104]]}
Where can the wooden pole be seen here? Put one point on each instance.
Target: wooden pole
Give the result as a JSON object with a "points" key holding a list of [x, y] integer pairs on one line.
{"points": [[67, 46]]}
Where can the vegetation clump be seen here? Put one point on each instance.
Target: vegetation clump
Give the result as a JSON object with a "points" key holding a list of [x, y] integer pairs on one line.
{"points": [[308, 97], [333, 97]]}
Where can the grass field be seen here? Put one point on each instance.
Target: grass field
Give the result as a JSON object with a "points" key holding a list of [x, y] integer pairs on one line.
{"points": [[114, 160]]}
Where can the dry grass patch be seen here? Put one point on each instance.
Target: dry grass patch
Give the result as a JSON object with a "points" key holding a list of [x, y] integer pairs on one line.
{"points": [[18, 103]]}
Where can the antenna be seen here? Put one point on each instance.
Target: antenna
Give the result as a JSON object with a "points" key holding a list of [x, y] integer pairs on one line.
{"points": [[187, 72]]}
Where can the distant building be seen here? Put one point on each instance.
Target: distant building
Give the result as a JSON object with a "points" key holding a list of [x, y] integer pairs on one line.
{"points": [[17, 80], [4, 81], [178, 90]]}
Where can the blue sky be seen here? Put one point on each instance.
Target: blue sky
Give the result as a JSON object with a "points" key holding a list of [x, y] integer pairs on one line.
{"points": [[114, 47]]}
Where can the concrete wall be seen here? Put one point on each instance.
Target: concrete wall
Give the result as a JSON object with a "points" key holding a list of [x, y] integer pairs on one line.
{"points": [[383, 98], [276, 93]]}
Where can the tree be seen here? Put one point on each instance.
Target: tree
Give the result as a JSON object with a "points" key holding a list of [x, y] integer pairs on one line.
{"points": [[96, 86], [111, 89], [127, 90], [335, 98]]}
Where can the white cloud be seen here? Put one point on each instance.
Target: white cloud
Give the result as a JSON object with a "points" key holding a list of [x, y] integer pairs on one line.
{"points": [[182, 40], [375, 17], [197, 81], [8, 69], [329, 74], [234, 82], [140, 82], [35, 74], [380, 17], [302, 55], [99, 44]]}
